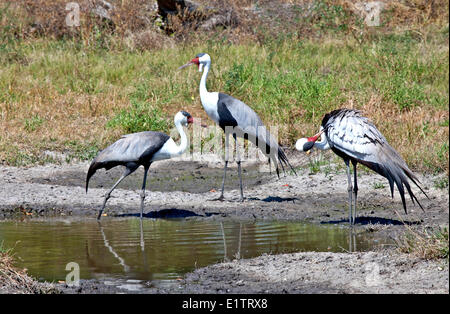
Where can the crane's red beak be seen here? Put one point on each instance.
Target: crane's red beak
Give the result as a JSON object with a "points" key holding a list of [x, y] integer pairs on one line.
{"points": [[315, 137], [193, 61]]}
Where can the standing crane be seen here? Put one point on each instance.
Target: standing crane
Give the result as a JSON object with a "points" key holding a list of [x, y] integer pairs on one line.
{"points": [[140, 149], [239, 120], [355, 139]]}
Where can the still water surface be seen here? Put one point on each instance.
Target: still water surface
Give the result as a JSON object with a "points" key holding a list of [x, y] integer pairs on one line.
{"points": [[158, 249]]}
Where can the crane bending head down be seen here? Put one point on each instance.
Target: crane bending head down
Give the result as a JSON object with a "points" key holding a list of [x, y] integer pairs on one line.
{"points": [[355, 139]]}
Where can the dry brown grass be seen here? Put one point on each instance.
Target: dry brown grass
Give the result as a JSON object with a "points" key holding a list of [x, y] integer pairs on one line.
{"points": [[67, 120], [425, 244], [405, 130], [251, 20], [75, 119], [13, 280], [131, 23]]}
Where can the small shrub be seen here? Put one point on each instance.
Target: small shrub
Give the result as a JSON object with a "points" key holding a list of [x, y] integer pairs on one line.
{"points": [[33, 123], [441, 183], [378, 185]]}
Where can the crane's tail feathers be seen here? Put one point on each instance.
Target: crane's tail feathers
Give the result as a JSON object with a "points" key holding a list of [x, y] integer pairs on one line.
{"points": [[282, 167], [399, 175], [414, 179], [283, 159], [92, 169], [278, 171]]}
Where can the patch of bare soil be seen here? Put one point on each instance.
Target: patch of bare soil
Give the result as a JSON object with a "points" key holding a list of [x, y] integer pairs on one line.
{"points": [[322, 272], [180, 187]]}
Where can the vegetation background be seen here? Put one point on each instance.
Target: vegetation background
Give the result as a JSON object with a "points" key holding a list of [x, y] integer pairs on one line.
{"points": [[76, 89]]}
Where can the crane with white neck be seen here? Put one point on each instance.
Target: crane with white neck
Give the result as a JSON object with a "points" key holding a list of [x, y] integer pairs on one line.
{"points": [[239, 120], [140, 149]]}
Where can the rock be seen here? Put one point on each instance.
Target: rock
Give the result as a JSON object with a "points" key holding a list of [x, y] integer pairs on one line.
{"points": [[228, 18], [166, 7], [207, 17]]}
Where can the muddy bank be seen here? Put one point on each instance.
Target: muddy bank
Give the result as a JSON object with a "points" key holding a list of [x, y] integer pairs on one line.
{"points": [[306, 272], [184, 189], [316, 272]]}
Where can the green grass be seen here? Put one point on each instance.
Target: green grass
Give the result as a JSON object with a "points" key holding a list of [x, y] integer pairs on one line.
{"points": [[65, 92], [33, 123], [4, 250], [141, 115], [315, 165], [441, 183], [378, 185], [80, 151]]}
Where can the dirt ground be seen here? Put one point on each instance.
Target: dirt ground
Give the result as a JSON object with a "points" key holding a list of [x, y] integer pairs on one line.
{"points": [[180, 188]]}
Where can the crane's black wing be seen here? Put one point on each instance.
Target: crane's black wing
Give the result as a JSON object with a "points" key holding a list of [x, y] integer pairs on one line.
{"points": [[247, 124]]}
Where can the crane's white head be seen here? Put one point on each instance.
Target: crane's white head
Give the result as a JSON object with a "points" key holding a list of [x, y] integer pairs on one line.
{"points": [[183, 118], [200, 60], [300, 144], [305, 144]]}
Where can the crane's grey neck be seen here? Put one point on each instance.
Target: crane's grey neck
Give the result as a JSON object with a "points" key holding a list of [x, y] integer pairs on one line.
{"points": [[323, 144], [184, 142]]}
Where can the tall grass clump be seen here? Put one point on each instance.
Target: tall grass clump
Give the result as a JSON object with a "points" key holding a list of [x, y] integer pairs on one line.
{"points": [[426, 244], [14, 280]]}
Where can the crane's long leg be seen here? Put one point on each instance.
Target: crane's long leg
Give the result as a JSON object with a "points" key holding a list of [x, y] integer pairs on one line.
{"points": [[127, 172], [350, 190], [355, 189], [143, 189], [238, 161], [220, 198]]}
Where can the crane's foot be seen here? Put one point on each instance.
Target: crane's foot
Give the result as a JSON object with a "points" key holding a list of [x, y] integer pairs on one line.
{"points": [[220, 198]]}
